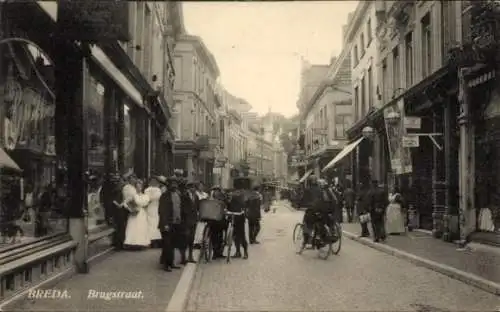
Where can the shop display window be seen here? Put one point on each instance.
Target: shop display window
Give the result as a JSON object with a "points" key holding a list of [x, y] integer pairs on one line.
{"points": [[129, 126], [96, 151], [31, 203]]}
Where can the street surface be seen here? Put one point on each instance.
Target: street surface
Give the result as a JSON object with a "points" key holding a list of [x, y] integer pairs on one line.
{"points": [[358, 279]]}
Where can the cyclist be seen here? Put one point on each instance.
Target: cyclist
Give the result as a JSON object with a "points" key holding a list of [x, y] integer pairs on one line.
{"points": [[322, 206]]}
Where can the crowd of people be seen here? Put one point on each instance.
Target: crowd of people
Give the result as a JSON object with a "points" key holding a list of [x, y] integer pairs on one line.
{"points": [[371, 204], [165, 215]]}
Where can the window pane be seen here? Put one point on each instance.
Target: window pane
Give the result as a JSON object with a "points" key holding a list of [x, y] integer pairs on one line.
{"points": [[129, 138], [30, 204], [94, 110]]}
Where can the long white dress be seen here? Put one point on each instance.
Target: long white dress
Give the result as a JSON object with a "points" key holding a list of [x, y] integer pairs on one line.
{"points": [[154, 194], [395, 223], [136, 233]]}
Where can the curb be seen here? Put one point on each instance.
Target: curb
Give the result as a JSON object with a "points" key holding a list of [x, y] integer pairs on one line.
{"points": [[179, 299], [467, 278], [51, 281]]}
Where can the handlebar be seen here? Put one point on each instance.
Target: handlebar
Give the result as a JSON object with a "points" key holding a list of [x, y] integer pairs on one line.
{"points": [[230, 213]]}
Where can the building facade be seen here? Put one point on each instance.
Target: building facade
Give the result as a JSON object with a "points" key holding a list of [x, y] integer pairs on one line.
{"points": [[69, 145], [195, 118], [327, 116]]}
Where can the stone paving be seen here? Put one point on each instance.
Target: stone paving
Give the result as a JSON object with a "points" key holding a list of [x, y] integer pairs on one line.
{"points": [[360, 278], [124, 271], [484, 262]]}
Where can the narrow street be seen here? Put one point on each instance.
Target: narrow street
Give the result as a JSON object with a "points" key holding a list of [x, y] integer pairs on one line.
{"points": [[358, 279]]}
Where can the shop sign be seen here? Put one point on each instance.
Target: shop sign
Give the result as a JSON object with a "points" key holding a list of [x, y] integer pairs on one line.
{"points": [[411, 141], [412, 122], [25, 105], [400, 156]]}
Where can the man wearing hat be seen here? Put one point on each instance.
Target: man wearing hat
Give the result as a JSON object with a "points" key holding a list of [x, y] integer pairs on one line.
{"points": [[190, 207], [170, 224], [378, 203]]}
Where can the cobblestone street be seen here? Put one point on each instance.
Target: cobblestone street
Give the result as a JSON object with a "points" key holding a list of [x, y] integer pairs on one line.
{"points": [[358, 279]]}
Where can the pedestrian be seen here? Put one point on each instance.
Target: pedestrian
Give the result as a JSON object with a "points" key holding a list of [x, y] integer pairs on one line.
{"points": [[238, 203], [254, 215], [363, 207], [395, 221], [120, 214], [170, 225], [349, 201], [217, 228], [190, 208], [378, 205], [154, 192], [136, 233]]}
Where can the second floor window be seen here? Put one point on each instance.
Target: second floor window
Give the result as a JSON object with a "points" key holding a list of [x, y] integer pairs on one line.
{"points": [[409, 59], [356, 56], [356, 103], [369, 32], [426, 45], [370, 88], [362, 44], [396, 71], [342, 124], [385, 81], [362, 97]]}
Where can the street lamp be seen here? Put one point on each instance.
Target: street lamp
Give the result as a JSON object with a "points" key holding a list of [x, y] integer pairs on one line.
{"points": [[368, 132]]}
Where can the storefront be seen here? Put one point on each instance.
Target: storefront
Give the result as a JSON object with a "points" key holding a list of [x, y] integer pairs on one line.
{"points": [[487, 160], [63, 134]]}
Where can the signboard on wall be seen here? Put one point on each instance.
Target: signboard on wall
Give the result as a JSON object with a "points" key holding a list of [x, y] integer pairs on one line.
{"points": [[412, 122], [394, 123], [411, 141]]}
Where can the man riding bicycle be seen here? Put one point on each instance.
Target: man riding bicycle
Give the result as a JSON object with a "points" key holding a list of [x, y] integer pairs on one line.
{"points": [[322, 208]]}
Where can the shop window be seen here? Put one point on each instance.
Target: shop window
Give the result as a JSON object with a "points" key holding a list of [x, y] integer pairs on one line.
{"points": [[96, 149], [129, 125], [30, 203]]}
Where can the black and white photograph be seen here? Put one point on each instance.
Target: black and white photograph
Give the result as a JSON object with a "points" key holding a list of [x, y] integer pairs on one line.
{"points": [[199, 156]]}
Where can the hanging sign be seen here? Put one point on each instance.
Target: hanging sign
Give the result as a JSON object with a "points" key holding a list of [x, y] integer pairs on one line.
{"points": [[412, 122], [411, 141]]}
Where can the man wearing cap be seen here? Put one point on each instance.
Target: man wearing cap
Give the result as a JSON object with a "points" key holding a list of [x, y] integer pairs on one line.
{"points": [[170, 225], [378, 203]]}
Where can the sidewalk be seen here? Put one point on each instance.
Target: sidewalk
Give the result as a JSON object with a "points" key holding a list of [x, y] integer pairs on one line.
{"points": [[124, 271], [478, 266]]}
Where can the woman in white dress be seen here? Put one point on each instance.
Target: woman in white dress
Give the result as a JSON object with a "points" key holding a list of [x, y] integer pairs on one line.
{"points": [[136, 234], [154, 193], [395, 220]]}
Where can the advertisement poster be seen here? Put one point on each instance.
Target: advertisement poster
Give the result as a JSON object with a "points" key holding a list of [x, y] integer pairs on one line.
{"points": [[400, 156]]}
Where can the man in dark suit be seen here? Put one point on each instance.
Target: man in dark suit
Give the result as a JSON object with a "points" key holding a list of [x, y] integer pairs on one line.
{"points": [[170, 225], [378, 204], [190, 207], [254, 215]]}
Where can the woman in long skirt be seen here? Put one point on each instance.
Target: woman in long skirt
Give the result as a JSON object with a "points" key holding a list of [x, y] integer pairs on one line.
{"points": [[136, 234], [395, 220], [154, 192]]}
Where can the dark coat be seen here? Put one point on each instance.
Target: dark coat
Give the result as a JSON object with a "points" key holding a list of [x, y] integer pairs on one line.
{"points": [[189, 208], [254, 202], [378, 200], [165, 210]]}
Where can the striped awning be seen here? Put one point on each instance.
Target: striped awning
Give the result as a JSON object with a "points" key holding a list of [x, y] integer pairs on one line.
{"points": [[482, 79]]}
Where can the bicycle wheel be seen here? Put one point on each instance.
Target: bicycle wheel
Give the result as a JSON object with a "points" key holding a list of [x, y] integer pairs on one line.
{"points": [[206, 244], [298, 238], [325, 249], [337, 239], [229, 242]]}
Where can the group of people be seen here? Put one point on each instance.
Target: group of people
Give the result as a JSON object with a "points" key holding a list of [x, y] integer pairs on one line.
{"points": [[165, 215], [386, 212]]}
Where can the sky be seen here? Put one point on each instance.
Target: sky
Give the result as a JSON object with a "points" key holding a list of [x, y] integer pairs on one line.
{"points": [[258, 45]]}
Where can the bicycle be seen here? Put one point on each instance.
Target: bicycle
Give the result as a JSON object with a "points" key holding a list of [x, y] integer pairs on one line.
{"points": [[206, 243], [228, 239], [321, 236]]}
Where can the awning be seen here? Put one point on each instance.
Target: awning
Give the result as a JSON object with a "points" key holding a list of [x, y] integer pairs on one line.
{"points": [[7, 162], [306, 175], [348, 149]]}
